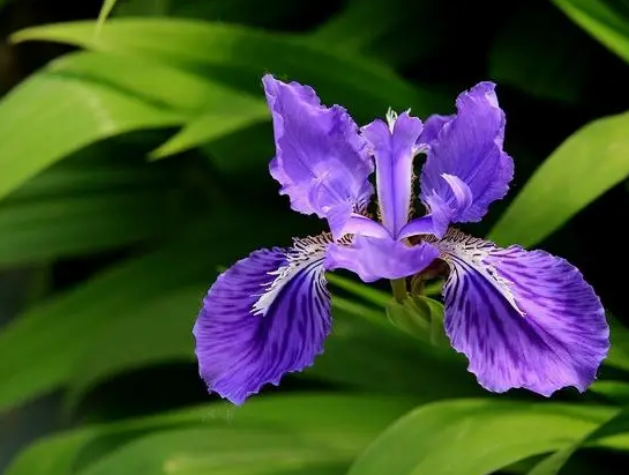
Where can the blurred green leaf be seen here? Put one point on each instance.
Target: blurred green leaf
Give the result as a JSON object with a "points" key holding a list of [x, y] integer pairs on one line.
{"points": [[211, 125], [544, 65], [475, 437], [64, 226], [242, 55], [369, 293], [567, 182], [146, 7], [46, 358], [163, 325], [619, 351], [105, 11], [226, 450], [349, 421], [598, 18], [399, 32], [108, 95], [552, 464], [214, 109], [157, 83], [66, 113], [98, 199], [615, 391], [270, 13]]}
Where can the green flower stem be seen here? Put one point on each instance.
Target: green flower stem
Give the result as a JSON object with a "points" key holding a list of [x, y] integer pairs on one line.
{"points": [[398, 286]]}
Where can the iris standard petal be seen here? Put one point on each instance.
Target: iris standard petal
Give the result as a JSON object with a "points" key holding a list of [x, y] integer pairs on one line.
{"points": [[322, 162], [524, 319], [374, 258], [265, 316], [394, 146], [468, 146], [432, 127]]}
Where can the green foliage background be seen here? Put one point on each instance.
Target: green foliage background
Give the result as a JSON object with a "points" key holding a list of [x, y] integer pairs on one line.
{"points": [[133, 165]]}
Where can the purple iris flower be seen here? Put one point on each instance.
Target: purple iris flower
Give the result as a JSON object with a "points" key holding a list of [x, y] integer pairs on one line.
{"points": [[524, 319]]}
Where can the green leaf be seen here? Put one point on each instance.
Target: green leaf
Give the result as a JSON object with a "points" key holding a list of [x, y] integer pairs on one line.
{"points": [[51, 115], [268, 14], [211, 125], [615, 391], [551, 465], [105, 11], [347, 29], [157, 83], [369, 293], [66, 226], [226, 450], [544, 65], [108, 95], [475, 437], [214, 109], [598, 18], [100, 198], [164, 325], [242, 55], [619, 349], [567, 182], [399, 33], [350, 421]]}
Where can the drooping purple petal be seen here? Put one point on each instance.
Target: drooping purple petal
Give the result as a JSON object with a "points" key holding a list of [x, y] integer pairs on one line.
{"points": [[395, 146], [373, 258], [265, 316], [322, 162], [524, 319], [467, 146]]}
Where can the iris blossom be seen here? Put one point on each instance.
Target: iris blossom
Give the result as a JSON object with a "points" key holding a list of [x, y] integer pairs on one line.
{"points": [[524, 319]]}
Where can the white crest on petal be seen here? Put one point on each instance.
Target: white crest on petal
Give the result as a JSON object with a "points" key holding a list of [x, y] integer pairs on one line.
{"points": [[468, 251], [306, 255], [391, 119]]}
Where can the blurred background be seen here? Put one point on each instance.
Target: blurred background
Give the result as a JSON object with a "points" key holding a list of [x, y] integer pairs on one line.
{"points": [[134, 166]]}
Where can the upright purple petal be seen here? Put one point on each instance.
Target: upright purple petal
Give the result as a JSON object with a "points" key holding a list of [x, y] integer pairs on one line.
{"points": [[265, 316], [468, 147], [374, 258], [524, 319], [395, 146], [322, 162], [432, 127]]}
